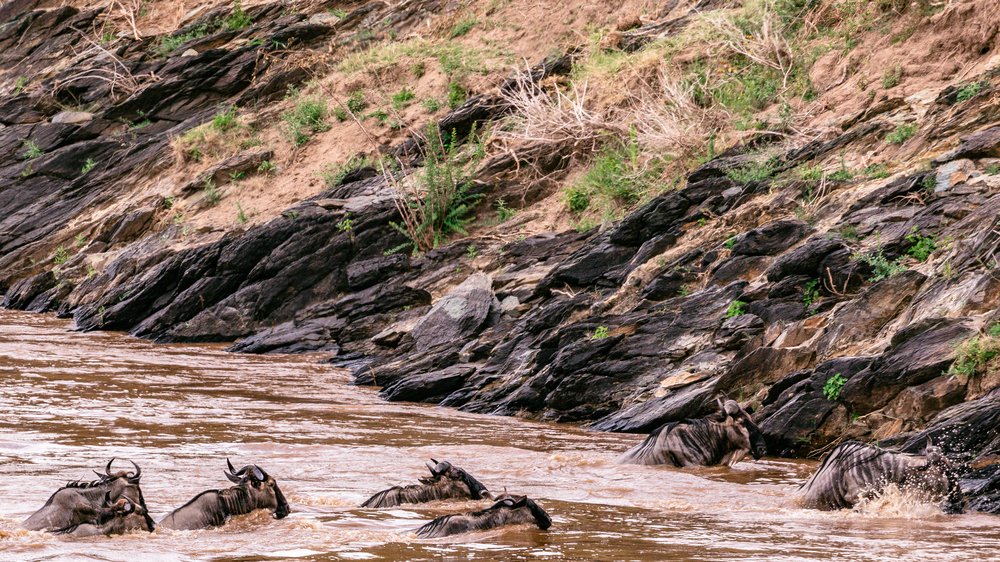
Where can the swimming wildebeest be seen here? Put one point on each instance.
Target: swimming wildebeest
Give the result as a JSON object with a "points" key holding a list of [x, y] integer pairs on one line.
{"points": [[446, 482], [508, 510], [853, 471], [723, 438], [113, 518], [78, 502], [254, 489]]}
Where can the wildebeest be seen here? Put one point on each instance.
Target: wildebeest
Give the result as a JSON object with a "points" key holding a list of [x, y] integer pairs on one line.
{"points": [[446, 482], [853, 471], [78, 502], [254, 489], [723, 438], [113, 518], [508, 510]]}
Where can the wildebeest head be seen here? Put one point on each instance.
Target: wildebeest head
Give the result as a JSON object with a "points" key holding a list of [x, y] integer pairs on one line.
{"points": [[938, 478], [444, 470], [508, 501], [114, 517], [741, 429], [262, 490]]}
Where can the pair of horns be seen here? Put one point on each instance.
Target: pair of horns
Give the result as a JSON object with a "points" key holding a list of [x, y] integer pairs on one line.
{"points": [[238, 476], [134, 478], [434, 468], [728, 407]]}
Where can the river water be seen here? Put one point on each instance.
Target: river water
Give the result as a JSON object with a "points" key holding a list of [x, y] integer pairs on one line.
{"points": [[71, 401]]}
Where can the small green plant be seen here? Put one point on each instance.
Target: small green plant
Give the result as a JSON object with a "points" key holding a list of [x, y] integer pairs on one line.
{"points": [[346, 225], [876, 171], [730, 242], [842, 174], [356, 102], [736, 308], [238, 19], [810, 173], [600, 333], [456, 95], [241, 216], [88, 165], [340, 114], [308, 116], [334, 175], [225, 121], [969, 91], [810, 293], [504, 213], [892, 76], [462, 27], [684, 291], [91, 271], [19, 83], [471, 251], [237, 176], [79, 240], [921, 247], [701, 222], [752, 172], [432, 105], [833, 386], [170, 43], [168, 202], [338, 13], [31, 150], [380, 115], [60, 256], [901, 133], [577, 199], [993, 169], [881, 267], [402, 98], [266, 167], [973, 355], [440, 204], [211, 193], [994, 330]]}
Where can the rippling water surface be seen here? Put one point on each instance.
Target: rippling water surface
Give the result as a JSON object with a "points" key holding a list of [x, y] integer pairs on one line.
{"points": [[70, 401]]}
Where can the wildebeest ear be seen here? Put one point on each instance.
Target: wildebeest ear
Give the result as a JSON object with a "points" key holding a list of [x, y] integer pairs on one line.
{"points": [[107, 498], [520, 501], [731, 408]]}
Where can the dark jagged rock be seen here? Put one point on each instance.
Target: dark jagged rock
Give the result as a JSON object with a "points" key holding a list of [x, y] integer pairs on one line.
{"points": [[805, 259], [771, 238], [916, 354]]}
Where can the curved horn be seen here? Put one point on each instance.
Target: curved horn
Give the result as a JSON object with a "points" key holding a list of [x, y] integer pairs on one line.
{"points": [[721, 404], [138, 473], [107, 469], [230, 465], [232, 477]]}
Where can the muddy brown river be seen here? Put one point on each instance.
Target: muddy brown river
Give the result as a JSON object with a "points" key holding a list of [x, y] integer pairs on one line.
{"points": [[70, 401]]}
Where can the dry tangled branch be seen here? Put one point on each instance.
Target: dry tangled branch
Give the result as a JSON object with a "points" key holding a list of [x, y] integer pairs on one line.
{"points": [[128, 10], [764, 45]]}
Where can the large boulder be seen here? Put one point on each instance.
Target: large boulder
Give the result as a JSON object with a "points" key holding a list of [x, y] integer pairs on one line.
{"points": [[459, 315], [770, 239]]}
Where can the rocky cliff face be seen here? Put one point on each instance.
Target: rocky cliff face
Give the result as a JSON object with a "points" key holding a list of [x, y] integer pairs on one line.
{"points": [[860, 304]]}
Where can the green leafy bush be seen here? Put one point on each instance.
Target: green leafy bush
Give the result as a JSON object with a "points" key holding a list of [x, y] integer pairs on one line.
{"points": [[238, 19], [974, 355], [753, 172], [600, 333], [921, 247], [833, 386], [463, 27], [882, 267], [441, 204], [901, 133], [969, 91], [736, 308], [307, 116]]}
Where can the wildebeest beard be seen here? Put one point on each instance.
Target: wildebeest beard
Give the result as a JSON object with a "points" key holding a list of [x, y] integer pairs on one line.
{"points": [[77, 501], [446, 482]]}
